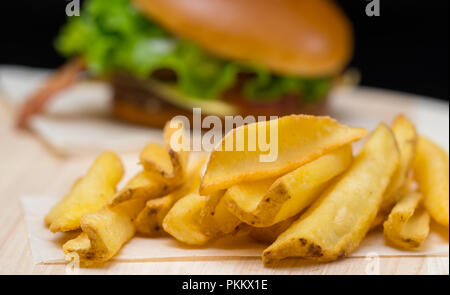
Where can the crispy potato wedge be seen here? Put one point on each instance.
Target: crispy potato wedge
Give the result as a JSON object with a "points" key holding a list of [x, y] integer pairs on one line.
{"points": [[171, 160], [268, 235], [294, 141], [156, 159], [408, 224], [266, 202], [150, 219], [406, 136], [183, 222], [431, 171], [215, 218], [104, 233], [88, 194], [143, 186], [336, 223]]}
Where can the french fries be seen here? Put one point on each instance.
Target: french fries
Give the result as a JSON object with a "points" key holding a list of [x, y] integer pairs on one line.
{"points": [[215, 218], [88, 194], [177, 142], [183, 222], [335, 224], [406, 136], [164, 167], [431, 170], [104, 233], [408, 224], [157, 160], [313, 201], [143, 186], [196, 219], [266, 202], [150, 219], [297, 139], [170, 161]]}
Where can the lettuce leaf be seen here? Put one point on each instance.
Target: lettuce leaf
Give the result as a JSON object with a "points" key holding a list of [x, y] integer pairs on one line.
{"points": [[112, 35]]}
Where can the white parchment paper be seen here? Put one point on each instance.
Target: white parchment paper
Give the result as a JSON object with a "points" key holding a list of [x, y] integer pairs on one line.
{"points": [[47, 247]]}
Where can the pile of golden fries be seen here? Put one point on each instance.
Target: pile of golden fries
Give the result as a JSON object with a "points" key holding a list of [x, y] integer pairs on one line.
{"points": [[316, 201]]}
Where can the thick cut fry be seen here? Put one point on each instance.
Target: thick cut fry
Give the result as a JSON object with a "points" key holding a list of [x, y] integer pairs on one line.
{"points": [[143, 186], [215, 218], [431, 170], [294, 141], [150, 219], [156, 159], [406, 136], [268, 235], [170, 161], [336, 223], [408, 225], [183, 220], [266, 202], [176, 140], [88, 194], [104, 233]]}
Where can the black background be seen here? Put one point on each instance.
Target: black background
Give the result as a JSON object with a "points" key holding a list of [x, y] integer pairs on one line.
{"points": [[406, 48]]}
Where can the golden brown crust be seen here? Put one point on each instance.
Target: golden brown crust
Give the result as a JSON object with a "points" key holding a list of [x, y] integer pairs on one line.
{"points": [[297, 37]]}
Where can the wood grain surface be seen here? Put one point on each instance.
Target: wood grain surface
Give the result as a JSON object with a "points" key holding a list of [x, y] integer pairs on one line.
{"points": [[28, 166]]}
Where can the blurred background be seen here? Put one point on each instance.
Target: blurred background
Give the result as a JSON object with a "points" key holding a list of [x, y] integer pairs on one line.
{"points": [[405, 48]]}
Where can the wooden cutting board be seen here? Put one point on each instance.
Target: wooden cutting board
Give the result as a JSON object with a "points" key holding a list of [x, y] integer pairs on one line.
{"points": [[29, 166]]}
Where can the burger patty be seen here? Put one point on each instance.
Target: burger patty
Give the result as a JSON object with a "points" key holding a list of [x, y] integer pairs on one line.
{"points": [[134, 102]]}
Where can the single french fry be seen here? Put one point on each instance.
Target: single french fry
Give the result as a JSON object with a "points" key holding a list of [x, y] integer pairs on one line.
{"points": [[406, 136], [177, 142], [143, 186], [88, 194], [431, 170], [294, 141], [408, 224], [337, 222], [183, 222], [150, 219], [156, 159], [266, 202], [243, 199], [196, 219], [215, 218], [171, 160], [104, 233]]}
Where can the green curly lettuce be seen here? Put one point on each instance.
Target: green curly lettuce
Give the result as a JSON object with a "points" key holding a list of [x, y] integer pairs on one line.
{"points": [[112, 35]]}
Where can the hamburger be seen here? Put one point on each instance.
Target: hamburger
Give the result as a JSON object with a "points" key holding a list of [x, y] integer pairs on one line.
{"points": [[228, 57]]}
